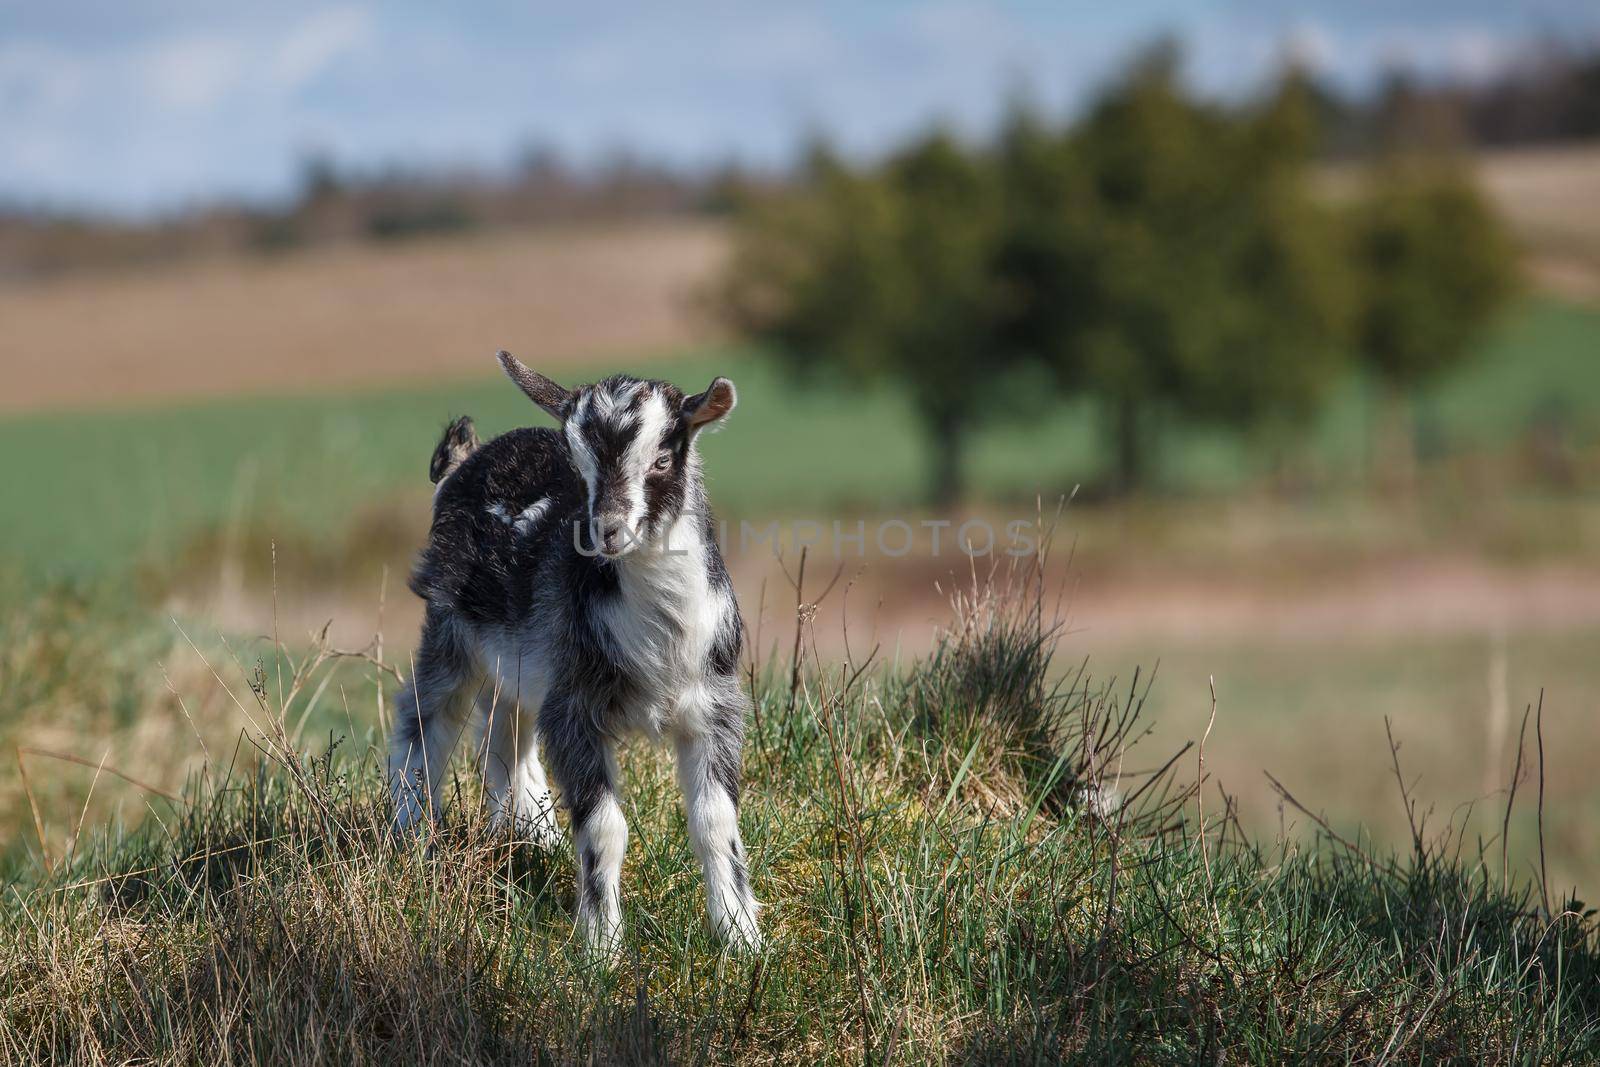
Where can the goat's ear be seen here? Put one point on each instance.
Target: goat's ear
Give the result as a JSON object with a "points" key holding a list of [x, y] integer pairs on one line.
{"points": [[540, 390], [711, 405]]}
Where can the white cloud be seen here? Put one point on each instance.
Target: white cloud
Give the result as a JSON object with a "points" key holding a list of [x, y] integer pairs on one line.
{"points": [[1478, 54], [35, 153], [1463, 50], [955, 27], [192, 72], [318, 42], [36, 78], [1311, 46]]}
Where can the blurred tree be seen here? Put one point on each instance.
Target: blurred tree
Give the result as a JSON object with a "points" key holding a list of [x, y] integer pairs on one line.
{"points": [[1166, 258], [319, 178], [884, 275], [1436, 265], [1169, 258], [1044, 260]]}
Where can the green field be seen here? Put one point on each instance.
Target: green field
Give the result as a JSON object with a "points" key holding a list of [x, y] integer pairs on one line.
{"points": [[91, 491]]}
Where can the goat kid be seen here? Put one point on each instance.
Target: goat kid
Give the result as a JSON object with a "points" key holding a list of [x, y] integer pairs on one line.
{"points": [[575, 595]]}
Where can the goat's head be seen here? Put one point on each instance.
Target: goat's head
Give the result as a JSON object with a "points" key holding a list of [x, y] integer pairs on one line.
{"points": [[632, 442]]}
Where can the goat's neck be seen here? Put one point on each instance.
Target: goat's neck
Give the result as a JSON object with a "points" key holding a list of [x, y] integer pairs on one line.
{"points": [[669, 610]]}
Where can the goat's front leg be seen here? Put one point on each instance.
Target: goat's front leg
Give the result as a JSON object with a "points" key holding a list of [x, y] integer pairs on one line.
{"points": [[584, 765], [708, 772]]}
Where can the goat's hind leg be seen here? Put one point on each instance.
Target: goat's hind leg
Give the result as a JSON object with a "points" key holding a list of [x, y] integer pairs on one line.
{"points": [[519, 796], [431, 712]]}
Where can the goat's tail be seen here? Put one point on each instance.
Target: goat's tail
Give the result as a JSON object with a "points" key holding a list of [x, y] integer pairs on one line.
{"points": [[460, 440]]}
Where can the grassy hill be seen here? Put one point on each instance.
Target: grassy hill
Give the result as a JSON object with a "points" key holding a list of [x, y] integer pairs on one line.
{"points": [[962, 861]]}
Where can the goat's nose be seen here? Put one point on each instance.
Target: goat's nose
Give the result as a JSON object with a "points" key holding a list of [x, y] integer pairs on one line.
{"points": [[612, 532]]}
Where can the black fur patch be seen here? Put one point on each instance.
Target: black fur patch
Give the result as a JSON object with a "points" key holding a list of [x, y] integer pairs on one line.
{"points": [[574, 743], [723, 658], [592, 894], [741, 876], [724, 760], [665, 492], [474, 563]]}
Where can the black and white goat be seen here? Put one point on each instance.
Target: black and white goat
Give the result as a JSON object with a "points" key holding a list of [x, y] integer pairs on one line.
{"points": [[575, 595]]}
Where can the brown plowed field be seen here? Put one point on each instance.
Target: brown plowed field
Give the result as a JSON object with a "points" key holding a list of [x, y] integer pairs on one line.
{"points": [[355, 316]]}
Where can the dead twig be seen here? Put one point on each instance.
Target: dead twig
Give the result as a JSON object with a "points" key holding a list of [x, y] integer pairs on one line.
{"points": [[1200, 806], [67, 757], [1511, 797], [1538, 733], [1328, 829], [33, 806]]}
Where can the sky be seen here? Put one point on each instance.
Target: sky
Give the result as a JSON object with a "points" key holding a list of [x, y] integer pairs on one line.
{"points": [[138, 107]]}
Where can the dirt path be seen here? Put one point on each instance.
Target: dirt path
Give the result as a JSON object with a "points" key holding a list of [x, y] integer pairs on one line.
{"points": [[901, 604], [1394, 600], [355, 316]]}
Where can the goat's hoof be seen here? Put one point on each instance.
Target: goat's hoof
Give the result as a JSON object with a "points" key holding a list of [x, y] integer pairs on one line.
{"points": [[740, 936], [407, 830], [747, 943], [602, 947], [542, 832]]}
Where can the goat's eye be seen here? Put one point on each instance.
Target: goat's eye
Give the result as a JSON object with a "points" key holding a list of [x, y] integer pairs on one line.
{"points": [[662, 462]]}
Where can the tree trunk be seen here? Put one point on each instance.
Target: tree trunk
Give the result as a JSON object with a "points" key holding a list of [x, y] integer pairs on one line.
{"points": [[947, 438], [1396, 451], [1130, 470]]}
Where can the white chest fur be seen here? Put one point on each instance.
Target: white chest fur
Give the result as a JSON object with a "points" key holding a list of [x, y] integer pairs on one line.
{"points": [[665, 620]]}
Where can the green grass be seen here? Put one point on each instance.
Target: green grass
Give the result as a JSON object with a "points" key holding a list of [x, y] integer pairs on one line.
{"points": [[94, 491], [963, 863]]}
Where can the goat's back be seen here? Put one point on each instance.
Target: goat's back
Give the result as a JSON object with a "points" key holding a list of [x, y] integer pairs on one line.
{"points": [[497, 520]]}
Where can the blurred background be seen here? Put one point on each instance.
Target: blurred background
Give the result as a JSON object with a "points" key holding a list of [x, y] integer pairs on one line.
{"points": [[1299, 304]]}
